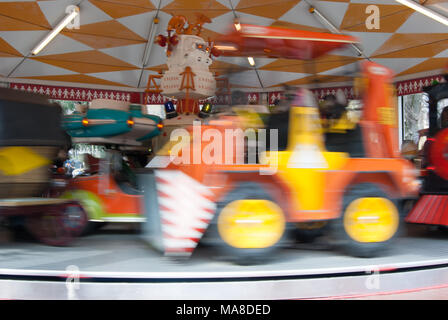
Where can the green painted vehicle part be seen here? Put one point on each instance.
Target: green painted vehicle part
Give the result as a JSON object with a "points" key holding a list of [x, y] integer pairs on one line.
{"points": [[90, 202]]}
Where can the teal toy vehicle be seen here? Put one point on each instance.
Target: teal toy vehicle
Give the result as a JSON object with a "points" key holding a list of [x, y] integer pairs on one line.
{"points": [[112, 122]]}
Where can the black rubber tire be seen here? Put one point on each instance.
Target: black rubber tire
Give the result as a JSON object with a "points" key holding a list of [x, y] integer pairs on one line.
{"points": [[57, 228], [344, 241], [244, 190]]}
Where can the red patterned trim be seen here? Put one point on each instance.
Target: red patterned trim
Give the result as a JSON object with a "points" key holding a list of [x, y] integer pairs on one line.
{"points": [[251, 97], [406, 87], [320, 93], [77, 94], [274, 96], [415, 85], [86, 94], [156, 98]]}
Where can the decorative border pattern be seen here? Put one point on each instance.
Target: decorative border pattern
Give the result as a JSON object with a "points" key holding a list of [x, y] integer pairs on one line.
{"points": [[77, 94], [86, 94], [415, 85]]}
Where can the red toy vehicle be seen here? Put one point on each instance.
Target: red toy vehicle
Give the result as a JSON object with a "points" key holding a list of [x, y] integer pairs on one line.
{"points": [[107, 191], [432, 207]]}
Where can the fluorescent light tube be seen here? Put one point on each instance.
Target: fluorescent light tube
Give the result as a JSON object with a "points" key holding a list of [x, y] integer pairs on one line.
{"points": [[226, 47], [423, 10], [61, 25]]}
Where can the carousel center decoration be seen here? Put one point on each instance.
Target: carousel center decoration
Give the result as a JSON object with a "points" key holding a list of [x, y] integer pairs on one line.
{"points": [[188, 78]]}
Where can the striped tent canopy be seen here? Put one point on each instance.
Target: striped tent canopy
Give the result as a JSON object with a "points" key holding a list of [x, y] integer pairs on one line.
{"points": [[107, 50]]}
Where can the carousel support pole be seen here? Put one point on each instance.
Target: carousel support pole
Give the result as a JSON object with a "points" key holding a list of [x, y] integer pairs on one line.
{"points": [[187, 84], [187, 99]]}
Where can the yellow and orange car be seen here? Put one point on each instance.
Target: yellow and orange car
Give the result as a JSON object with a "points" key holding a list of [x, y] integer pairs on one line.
{"points": [[314, 182]]}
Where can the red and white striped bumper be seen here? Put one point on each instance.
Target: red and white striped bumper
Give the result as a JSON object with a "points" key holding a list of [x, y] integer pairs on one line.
{"points": [[185, 208]]}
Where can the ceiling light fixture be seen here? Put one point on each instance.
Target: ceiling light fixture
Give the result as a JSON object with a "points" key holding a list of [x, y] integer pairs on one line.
{"points": [[224, 47], [251, 61], [61, 25], [237, 24], [423, 10]]}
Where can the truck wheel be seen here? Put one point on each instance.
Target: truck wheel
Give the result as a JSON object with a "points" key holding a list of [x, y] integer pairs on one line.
{"points": [[370, 219], [58, 227], [248, 224]]}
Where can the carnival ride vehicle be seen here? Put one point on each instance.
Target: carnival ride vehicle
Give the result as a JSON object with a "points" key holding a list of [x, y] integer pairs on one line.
{"points": [[108, 190], [30, 139], [246, 208], [112, 122], [431, 208]]}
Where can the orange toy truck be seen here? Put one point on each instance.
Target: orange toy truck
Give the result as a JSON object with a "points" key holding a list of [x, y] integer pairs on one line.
{"points": [[208, 190]]}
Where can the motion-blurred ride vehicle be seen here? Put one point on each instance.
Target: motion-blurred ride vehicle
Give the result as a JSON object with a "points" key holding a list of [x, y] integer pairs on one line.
{"points": [[112, 122], [107, 188], [339, 173], [30, 139]]}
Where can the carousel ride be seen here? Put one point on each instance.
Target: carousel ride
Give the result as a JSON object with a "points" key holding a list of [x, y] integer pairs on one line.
{"points": [[180, 203]]}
